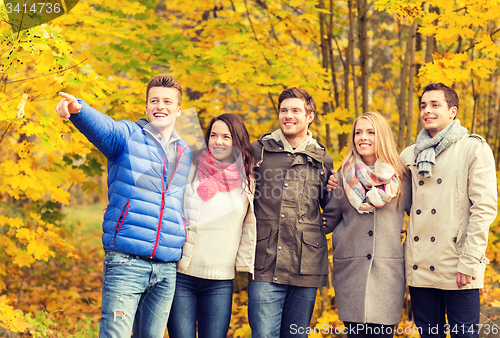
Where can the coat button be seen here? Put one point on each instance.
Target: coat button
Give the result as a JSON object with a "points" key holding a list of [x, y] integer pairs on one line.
{"points": [[279, 148], [420, 182], [439, 181], [288, 154], [415, 267], [433, 211], [279, 248], [455, 239], [282, 215], [416, 238], [275, 279], [321, 172], [433, 239], [369, 256], [298, 161], [418, 211], [431, 268], [370, 233], [286, 184]]}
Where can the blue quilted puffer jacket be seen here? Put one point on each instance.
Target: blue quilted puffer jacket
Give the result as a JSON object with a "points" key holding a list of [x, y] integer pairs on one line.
{"points": [[144, 216]]}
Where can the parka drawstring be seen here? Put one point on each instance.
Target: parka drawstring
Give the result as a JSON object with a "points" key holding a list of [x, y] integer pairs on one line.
{"points": [[261, 158]]}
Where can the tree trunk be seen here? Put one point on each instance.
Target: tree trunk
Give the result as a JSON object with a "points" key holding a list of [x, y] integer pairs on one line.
{"points": [[344, 138], [411, 84], [363, 48], [325, 58], [350, 49], [430, 46], [402, 94], [336, 93], [492, 111], [497, 141]]}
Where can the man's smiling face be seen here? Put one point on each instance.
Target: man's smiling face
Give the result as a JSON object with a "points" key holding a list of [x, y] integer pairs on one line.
{"points": [[434, 111], [293, 118], [163, 107]]}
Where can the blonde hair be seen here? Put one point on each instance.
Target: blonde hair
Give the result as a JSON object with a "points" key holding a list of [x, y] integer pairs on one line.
{"points": [[385, 148]]}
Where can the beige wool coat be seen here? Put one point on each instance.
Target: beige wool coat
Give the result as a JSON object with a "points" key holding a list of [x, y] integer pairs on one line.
{"points": [[368, 266], [451, 215]]}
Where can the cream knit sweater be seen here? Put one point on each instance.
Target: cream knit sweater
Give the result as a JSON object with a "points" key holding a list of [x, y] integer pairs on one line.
{"points": [[221, 233]]}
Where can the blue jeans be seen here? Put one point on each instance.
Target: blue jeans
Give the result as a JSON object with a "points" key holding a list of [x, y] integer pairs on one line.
{"points": [[461, 306], [207, 301], [277, 310], [136, 294]]}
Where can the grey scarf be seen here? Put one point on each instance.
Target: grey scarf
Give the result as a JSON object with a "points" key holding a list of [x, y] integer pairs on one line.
{"points": [[428, 148]]}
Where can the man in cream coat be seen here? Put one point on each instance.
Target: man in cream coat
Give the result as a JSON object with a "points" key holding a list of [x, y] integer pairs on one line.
{"points": [[454, 203]]}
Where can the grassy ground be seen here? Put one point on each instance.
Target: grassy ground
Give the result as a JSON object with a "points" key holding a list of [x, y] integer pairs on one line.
{"points": [[85, 223]]}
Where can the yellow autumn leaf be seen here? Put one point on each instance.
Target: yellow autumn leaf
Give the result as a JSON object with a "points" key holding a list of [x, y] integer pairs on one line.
{"points": [[15, 222], [331, 292], [23, 258], [39, 250], [11, 318], [25, 235], [32, 128], [495, 303], [61, 195], [9, 168]]}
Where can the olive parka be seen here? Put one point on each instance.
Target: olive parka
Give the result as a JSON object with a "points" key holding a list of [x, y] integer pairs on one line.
{"points": [[290, 187]]}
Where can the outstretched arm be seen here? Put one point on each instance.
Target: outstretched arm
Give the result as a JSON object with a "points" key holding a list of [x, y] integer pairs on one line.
{"points": [[106, 134]]}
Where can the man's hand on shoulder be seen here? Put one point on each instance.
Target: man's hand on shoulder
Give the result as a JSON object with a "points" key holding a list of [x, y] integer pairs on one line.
{"points": [[67, 106], [332, 182]]}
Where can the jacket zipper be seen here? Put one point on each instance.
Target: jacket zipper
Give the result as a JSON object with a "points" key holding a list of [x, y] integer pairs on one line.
{"points": [[163, 193], [162, 206]]}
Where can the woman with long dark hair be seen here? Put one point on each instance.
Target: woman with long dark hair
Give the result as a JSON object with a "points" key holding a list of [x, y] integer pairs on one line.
{"points": [[221, 231]]}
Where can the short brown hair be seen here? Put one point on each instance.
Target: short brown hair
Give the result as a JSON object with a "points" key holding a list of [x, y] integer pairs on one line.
{"points": [[297, 93], [163, 80]]}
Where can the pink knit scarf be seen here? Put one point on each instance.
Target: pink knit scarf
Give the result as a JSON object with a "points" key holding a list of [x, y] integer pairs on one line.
{"points": [[215, 176]]}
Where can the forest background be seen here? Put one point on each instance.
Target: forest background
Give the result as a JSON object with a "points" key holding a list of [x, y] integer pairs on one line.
{"points": [[230, 56]]}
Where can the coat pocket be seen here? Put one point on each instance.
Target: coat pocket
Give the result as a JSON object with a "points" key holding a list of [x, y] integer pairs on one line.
{"points": [[261, 247], [114, 259], [459, 240], [314, 254], [121, 219]]}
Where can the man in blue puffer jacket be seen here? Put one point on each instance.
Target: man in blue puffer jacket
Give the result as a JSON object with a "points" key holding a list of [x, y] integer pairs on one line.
{"points": [[143, 228]]}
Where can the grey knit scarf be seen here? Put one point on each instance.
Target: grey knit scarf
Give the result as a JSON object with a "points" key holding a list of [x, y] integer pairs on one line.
{"points": [[428, 148]]}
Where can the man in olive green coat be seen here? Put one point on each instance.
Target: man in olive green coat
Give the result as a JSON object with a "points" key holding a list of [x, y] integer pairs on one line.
{"points": [[291, 259]]}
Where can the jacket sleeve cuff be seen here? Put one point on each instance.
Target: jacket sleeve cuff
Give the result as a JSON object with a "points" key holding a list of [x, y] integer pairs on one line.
{"points": [[81, 113], [468, 265]]}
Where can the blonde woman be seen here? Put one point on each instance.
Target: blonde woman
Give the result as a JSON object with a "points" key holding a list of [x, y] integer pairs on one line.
{"points": [[366, 217]]}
